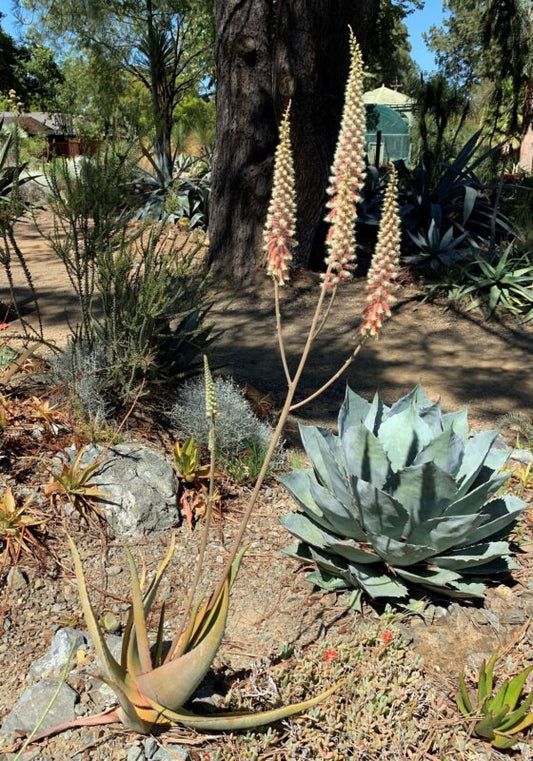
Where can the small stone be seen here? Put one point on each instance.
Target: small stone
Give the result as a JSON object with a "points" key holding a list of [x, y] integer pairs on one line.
{"points": [[114, 570], [174, 753], [16, 579], [65, 641], [34, 701], [150, 747], [135, 754]]}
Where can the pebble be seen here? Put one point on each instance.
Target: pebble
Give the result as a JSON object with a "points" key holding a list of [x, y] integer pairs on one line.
{"points": [[16, 579], [113, 570]]}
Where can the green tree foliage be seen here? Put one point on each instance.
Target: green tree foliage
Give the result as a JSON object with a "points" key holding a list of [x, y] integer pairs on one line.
{"points": [[488, 42], [163, 44], [31, 70], [389, 61]]}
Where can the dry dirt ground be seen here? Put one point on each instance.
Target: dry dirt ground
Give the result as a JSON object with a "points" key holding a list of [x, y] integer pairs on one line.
{"points": [[464, 360]]}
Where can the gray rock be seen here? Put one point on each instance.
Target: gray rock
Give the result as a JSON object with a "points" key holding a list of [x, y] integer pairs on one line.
{"points": [[54, 661], [174, 753], [135, 753], [16, 579], [141, 489], [34, 701], [524, 456]]}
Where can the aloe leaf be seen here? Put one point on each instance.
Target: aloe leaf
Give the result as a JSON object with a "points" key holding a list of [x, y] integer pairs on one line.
{"points": [[524, 724], [501, 742], [485, 727], [365, 456], [139, 650], [232, 722], [173, 683], [482, 690], [466, 704], [115, 671], [402, 435], [515, 717], [497, 702], [515, 687]]}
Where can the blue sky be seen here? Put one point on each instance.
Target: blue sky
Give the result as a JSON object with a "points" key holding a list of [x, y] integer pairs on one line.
{"points": [[418, 23]]}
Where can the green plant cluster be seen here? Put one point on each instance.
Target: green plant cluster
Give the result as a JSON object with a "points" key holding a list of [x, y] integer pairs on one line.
{"points": [[401, 499], [143, 298]]}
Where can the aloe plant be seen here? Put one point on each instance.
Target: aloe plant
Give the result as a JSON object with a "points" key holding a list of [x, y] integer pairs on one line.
{"points": [[502, 714], [401, 497], [153, 684]]}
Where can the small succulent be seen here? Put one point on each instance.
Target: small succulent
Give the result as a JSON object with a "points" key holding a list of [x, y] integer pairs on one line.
{"points": [[502, 714], [20, 528], [400, 498], [74, 483], [187, 461], [153, 683]]}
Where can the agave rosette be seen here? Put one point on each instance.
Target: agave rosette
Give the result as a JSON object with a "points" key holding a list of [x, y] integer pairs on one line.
{"points": [[401, 497]]}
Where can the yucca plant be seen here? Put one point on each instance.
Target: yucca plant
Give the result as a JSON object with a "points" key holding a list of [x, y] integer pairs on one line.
{"points": [[401, 498], [501, 714]]}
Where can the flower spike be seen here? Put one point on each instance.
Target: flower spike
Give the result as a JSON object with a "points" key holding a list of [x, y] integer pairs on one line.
{"points": [[280, 227], [347, 176], [384, 268]]}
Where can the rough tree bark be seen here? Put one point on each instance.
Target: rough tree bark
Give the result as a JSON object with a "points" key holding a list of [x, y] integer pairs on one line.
{"points": [[267, 53]]}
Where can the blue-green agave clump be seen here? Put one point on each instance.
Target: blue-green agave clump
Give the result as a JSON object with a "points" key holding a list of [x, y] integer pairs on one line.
{"points": [[402, 497]]}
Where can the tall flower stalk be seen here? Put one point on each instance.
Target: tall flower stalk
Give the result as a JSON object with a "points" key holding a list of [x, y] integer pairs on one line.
{"points": [[345, 186]]}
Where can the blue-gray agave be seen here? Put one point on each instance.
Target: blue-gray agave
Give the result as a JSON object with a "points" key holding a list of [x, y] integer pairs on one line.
{"points": [[401, 497]]}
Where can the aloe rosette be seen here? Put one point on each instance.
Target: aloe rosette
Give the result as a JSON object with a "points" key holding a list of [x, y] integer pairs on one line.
{"points": [[402, 497]]}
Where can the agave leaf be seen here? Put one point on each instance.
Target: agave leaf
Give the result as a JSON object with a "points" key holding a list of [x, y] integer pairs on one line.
{"points": [[340, 517], [302, 528], [233, 722], [402, 435], [446, 451], [472, 502], [375, 583], [323, 449], [416, 398], [432, 578], [498, 514], [457, 422], [432, 417], [462, 590], [424, 490], [365, 456], [320, 504], [399, 554], [326, 581], [476, 451], [379, 512], [442, 533], [472, 557], [374, 417], [353, 411]]}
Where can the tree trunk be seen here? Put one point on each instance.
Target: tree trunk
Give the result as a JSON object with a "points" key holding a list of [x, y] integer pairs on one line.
{"points": [[246, 134], [308, 63]]}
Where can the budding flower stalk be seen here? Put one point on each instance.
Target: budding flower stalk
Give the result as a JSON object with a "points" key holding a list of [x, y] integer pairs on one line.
{"points": [[347, 177], [384, 268], [280, 227]]}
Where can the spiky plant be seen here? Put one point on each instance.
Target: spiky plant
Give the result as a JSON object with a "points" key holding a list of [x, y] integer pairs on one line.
{"points": [[502, 714], [401, 498], [21, 528]]}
